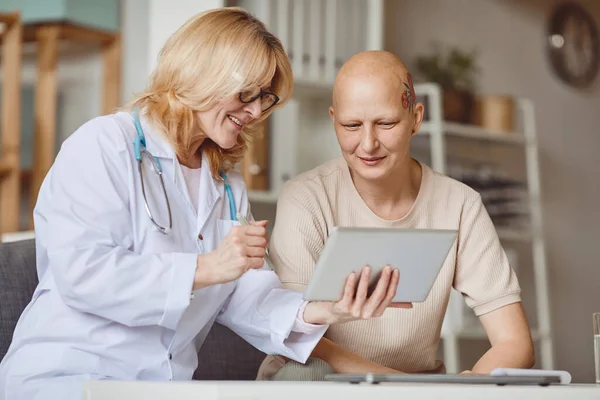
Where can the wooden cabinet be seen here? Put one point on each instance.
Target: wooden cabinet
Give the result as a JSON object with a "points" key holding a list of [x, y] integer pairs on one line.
{"points": [[47, 36], [10, 182], [49, 24]]}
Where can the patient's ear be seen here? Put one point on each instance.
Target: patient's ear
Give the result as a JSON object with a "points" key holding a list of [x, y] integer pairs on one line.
{"points": [[331, 113], [418, 113]]}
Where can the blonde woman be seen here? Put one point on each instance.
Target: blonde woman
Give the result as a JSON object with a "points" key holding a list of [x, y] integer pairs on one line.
{"points": [[139, 247]]}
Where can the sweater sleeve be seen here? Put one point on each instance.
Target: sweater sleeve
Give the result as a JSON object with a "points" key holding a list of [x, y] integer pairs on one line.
{"points": [[483, 274], [298, 236]]}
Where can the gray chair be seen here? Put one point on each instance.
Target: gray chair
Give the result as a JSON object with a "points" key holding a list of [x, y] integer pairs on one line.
{"points": [[224, 355]]}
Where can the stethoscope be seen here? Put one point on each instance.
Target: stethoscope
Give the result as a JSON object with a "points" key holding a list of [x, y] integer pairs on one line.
{"points": [[139, 149]]}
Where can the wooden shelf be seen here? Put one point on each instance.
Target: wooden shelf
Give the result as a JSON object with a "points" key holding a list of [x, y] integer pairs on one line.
{"points": [[515, 235], [312, 89], [5, 169], [17, 236], [474, 132], [260, 196], [9, 18], [10, 135], [69, 31], [47, 36]]}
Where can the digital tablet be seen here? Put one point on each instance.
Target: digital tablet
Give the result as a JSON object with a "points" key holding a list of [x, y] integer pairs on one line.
{"points": [[418, 253], [445, 379]]}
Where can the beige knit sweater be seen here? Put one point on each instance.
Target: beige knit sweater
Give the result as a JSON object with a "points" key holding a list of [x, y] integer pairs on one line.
{"points": [[404, 339]]}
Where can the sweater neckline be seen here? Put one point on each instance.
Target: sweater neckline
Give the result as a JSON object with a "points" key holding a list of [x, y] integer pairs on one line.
{"points": [[362, 205]]}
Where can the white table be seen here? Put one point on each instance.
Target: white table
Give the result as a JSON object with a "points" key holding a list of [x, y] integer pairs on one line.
{"points": [[204, 390]]}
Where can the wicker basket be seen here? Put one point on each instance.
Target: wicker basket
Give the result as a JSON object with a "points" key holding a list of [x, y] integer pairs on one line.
{"points": [[495, 112]]}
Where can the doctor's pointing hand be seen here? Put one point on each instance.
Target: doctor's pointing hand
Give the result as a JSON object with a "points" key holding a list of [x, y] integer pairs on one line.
{"points": [[242, 249], [138, 248]]}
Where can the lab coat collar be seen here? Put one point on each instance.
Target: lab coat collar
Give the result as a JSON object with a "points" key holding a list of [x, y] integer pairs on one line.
{"points": [[209, 191], [156, 143]]}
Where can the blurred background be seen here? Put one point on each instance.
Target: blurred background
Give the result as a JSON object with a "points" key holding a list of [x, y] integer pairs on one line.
{"points": [[512, 104]]}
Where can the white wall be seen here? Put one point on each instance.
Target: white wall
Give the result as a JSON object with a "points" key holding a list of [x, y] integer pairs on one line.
{"points": [[168, 15], [135, 62], [79, 77], [146, 26], [510, 36]]}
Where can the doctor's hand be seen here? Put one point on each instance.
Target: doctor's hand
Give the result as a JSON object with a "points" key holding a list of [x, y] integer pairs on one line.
{"points": [[242, 249], [355, 304]]}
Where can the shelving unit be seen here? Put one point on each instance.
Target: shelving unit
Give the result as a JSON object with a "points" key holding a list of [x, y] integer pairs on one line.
{"points": [[10, 181], [48, 36], [49, 27], [468, 131], [455, 328], [318, 36], [302, 137]]}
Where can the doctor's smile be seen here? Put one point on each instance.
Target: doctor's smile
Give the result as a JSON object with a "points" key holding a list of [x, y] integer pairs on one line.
{"points": [[166, 162]]}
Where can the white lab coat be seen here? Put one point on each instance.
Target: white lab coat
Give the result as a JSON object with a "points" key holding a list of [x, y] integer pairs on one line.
{"points": [[115, 295]]}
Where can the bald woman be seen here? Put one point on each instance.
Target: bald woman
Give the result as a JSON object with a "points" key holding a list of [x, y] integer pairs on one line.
{"points": [[376, 183]]}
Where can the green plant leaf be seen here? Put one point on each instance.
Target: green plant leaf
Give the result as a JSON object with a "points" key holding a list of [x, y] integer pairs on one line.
{"points": [[451, 68]]}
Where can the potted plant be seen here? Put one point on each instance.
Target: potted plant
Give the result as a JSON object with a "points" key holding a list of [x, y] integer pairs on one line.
{"points": [[455, 71]]}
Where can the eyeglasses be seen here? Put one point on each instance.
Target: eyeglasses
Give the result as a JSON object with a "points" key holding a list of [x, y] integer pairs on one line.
{"points": [[267, 99]]}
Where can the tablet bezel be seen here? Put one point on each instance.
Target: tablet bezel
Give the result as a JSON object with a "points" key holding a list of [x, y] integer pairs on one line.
{"points": [[327, 284]]}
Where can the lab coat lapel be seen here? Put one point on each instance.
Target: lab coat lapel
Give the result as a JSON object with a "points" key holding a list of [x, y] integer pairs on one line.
{"points": [[208, 195], [158, 146]]}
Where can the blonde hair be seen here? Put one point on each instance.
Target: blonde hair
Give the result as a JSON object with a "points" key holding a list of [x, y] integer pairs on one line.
{"points": [[211, 58]]}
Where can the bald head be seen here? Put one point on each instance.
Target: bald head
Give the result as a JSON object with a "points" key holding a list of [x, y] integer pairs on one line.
{"points": [[374, 114], [371, 81], [376, 66], [373, 62]]}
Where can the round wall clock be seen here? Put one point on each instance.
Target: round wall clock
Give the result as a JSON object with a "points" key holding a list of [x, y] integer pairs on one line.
{"points": [[573, 45]]}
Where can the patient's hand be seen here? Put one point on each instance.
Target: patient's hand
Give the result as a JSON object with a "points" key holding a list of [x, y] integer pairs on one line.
{"points": [[355, 304]]}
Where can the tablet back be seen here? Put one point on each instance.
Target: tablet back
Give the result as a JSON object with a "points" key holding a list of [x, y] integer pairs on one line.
{"points": [[417, 253]]}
